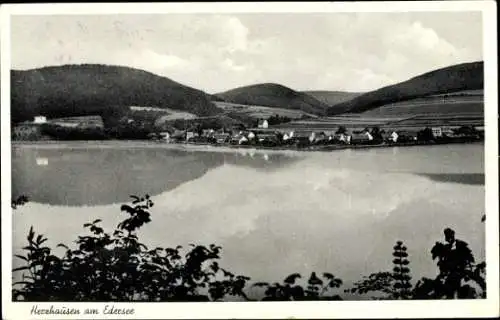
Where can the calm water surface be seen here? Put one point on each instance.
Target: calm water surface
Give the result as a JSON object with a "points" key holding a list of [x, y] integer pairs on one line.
{"points": [[273, 214]]}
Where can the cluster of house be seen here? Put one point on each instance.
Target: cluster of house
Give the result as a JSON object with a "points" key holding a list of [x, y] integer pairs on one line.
{"points": [[237, 136], [264, 136]]}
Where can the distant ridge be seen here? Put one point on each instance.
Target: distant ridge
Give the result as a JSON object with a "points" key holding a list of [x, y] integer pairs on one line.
{"points": [[92, 89], [274, 95], [332, 97], [465, 76]]}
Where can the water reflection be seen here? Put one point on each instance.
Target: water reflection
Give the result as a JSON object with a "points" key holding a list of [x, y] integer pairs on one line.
{"points": [[464, 178], [97, 176], [272, 213], [42, 161]]}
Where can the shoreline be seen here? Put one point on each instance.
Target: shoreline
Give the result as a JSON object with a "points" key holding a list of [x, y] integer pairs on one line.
{"points": [[98, 144]]}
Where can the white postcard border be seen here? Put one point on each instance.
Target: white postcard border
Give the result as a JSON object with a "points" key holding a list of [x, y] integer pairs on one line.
{"points": [[342, 309]]}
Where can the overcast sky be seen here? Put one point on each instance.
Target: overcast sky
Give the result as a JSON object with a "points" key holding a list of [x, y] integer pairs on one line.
{"points": [[330, 51]]}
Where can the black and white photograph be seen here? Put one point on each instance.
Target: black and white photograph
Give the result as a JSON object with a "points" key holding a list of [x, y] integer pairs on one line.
{"points": [[173, 158]]}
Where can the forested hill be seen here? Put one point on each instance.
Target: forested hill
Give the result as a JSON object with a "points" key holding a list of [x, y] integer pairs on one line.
{"points": [[275, 96], [466, 76], [90, 89]]}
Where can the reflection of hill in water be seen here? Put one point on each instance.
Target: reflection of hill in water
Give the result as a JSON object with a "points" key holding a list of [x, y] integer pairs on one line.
{"points": [[258, 160], [77, 177], [464, 178]]}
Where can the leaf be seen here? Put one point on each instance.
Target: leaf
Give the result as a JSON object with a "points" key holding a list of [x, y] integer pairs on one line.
{"points": [[31, 234], [314, 280], [21, 257], [85, 225], [292, 278], [62, 245], [96, 221], [20, 268], [335, 283], [328, 275]]}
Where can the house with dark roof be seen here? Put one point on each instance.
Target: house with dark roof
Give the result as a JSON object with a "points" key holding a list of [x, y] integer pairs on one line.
{"points": [[407, 136], [361, 137], [222, 137]]}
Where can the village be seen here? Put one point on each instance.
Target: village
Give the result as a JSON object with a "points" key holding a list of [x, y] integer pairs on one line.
{"points": [[262, 136], [268, 137]]}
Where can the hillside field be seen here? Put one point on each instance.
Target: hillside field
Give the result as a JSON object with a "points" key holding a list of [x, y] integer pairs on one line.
{"points": [[456, 78], [445, 104], [257, 112]]}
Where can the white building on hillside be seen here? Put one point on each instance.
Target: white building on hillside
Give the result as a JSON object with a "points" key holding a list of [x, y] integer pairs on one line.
{"points": [[394, 136], [40, 119], [437, 132], [263, 124]]}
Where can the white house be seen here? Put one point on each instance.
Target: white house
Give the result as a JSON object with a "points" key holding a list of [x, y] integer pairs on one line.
{"points": [[312, 137], [394, 136], [40, 119], [251, 135], [164, 135], [342, 137], [243, 139], [437, 132], [348, 139], [263, 124], [190, 134], [287, 136]]}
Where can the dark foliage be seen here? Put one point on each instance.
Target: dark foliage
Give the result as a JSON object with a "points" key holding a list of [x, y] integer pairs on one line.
{"points": [[376, 134], [341, 130], [391, 285], [316, 289], [277, 119], [19, 201], [425, 135], [458, 277], [63, 133], [93, 89], [401, 272], [215, 123], [117, 267], [467, 131]]}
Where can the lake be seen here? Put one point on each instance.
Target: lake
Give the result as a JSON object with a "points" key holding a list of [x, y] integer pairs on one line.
{"points": [[273, 213]]}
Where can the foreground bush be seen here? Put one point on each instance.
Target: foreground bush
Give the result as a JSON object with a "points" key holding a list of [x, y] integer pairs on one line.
{"points": [[118, 267]]}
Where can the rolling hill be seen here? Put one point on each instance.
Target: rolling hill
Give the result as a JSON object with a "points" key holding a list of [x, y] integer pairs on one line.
{"points": [[332, 97], [274, 96], [466, 76], [449, 104], [88, 89]]}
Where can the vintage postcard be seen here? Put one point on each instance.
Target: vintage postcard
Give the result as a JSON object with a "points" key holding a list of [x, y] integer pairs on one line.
{"points": [[254, 160]]}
